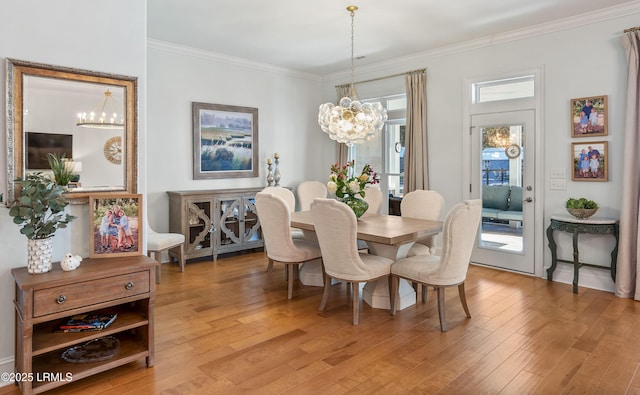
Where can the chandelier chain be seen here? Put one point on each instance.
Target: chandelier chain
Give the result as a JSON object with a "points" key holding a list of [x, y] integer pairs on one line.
{"points": [[353, 93]]}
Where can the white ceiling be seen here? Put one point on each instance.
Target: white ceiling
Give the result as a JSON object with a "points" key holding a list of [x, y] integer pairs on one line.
{"points": [[315, 36]]}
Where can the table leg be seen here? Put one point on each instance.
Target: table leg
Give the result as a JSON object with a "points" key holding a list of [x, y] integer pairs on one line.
{"points": [[376, 293], [576, 261], [554, 254], [614, 255]]}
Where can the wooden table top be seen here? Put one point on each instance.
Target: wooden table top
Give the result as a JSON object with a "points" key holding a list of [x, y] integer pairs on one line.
{"points": [[383, 229]]}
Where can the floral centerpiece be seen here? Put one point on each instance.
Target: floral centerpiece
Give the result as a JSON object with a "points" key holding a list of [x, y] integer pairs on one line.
{"points": [[346, 185]]}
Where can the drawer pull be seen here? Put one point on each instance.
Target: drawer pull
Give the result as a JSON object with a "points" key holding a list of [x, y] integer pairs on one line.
{"points": [[61, 299], [128, 285]]}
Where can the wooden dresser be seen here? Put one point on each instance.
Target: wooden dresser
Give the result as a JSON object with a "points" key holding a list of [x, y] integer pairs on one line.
{"points": [[125, 286]]}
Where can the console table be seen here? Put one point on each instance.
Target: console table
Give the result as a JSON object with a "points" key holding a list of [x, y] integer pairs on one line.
{"points": [[577, 226]]}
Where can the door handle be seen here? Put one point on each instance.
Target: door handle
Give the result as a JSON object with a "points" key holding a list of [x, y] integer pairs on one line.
{"points": [[528, 200]]}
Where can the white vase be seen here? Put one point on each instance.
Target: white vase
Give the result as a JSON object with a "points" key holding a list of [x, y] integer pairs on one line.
{"points": [[40, 255]]}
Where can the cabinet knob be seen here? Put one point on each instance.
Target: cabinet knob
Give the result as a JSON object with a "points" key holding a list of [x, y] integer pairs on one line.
{"points": [[61, 299], [128, 285]]}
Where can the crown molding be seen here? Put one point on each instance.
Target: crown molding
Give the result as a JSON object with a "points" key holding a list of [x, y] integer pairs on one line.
{"points": [[232, 60], [573, 22]]}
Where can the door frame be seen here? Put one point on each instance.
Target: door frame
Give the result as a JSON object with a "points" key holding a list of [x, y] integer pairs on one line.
{"points": [[535, 104]]}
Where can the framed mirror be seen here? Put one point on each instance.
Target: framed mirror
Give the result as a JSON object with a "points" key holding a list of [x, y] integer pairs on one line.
{"points": [[87, 118]]}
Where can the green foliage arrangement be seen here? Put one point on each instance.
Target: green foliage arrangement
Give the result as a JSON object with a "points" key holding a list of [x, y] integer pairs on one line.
{"points": [[61, 172], [40, 207], [581, 203]]}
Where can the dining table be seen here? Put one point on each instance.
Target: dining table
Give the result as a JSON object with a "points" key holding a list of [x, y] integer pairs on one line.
{"points": [[390, 236]]}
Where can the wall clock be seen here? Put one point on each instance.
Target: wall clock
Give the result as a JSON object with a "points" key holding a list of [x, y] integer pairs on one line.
{"points": [[512, 151], [113, 150]]}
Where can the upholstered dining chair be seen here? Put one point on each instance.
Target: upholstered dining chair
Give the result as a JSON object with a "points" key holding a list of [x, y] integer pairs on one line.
{"points": [[450, 269], [290, 199], [423, 204], [337, 228], [373, 196], [275, 220], [159, 242], [309, 190]]}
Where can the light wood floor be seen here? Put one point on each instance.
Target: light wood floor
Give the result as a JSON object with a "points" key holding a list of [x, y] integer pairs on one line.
{"points": [[228, 328]]}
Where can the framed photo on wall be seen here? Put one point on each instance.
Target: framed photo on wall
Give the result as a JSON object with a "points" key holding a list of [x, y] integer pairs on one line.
{"points": [[589, 116], [590, 161], [225, 141], [116, 225]]}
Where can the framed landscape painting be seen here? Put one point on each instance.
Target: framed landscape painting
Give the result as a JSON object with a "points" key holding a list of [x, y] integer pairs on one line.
{"points": [[225, 141], [589, 116], [590, 161], [116, 225]]}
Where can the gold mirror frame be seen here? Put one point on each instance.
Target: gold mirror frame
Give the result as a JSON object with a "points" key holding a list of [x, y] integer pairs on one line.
{"points": [[16, 71]]}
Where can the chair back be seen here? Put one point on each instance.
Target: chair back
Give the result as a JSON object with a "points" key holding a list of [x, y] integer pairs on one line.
{"points": [[309, 190], [460, 230], [285, 194], [275, 220], [337, 228], [422, 204], [373, 196]]}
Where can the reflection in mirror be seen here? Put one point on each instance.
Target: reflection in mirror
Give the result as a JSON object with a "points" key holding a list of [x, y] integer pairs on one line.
{"points": [[50, 111]]}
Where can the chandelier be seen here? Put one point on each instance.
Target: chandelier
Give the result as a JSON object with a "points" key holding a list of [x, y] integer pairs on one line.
{"points": [[100, 120], [351, 121]]}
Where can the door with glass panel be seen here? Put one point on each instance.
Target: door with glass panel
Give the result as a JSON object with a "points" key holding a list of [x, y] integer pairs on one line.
{"points": [[502, 169]]}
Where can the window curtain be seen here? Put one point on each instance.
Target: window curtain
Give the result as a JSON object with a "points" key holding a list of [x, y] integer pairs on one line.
{"points": [[343, 150], [415, 139], [627, 278]]}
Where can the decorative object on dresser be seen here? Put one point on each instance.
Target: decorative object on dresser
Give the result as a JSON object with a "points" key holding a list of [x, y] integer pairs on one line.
{"points": [[276, 172], [70, 262], [124, 287], [115, 225], [227, 221], [40, 211], [225, 141]]}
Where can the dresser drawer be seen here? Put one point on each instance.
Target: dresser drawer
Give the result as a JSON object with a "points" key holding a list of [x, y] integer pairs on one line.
{"points": [[72, 296]]}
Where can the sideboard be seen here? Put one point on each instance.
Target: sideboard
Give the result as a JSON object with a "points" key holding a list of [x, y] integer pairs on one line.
{"points": [[215, 221]]}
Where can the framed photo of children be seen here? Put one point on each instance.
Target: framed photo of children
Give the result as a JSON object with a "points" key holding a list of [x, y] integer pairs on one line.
{"points": [[590, 162], [116, 225], [589, 116]]}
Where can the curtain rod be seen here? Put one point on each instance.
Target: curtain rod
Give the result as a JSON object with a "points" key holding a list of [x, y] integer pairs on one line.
{"points": [[632, 29], [382, 78]]}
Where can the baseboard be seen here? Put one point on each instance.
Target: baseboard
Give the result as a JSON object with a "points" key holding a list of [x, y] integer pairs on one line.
{"points": [[588, 277], [6, 366]]}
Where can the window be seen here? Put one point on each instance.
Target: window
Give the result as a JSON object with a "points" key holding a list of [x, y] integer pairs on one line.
{"points": [[385, 153], [505, 89]]}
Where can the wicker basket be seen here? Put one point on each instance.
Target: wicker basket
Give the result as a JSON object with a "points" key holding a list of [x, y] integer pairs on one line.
{"points": [[582, 213]]}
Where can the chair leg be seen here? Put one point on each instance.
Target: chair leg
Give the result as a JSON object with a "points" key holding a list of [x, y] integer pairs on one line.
{"points": [[424, 293], [291, 275], [441, 309], [182, 257], [153, 255], [463, 299], [394, 282], [356, 302], [325, 294], [270, 265]]}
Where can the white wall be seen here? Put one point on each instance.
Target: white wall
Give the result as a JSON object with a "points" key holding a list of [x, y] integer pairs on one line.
{"points": [[569, 72], [70, 33], [287, 105]]}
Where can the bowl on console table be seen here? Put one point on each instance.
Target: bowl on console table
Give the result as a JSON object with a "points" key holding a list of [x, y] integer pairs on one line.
{"points": [[582, 213]]}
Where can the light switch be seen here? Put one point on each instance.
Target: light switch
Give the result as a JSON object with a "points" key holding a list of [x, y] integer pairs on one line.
{"points": [[559, 172], [558, 184]]}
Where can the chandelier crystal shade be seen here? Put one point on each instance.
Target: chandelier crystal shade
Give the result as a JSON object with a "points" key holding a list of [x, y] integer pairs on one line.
{"points": [[351, 121], [101, 119]]}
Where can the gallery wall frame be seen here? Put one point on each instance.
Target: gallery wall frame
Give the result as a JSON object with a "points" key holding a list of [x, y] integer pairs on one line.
{"points": [[589, 116], [596, 167], [225, 141], [116, 225]]}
